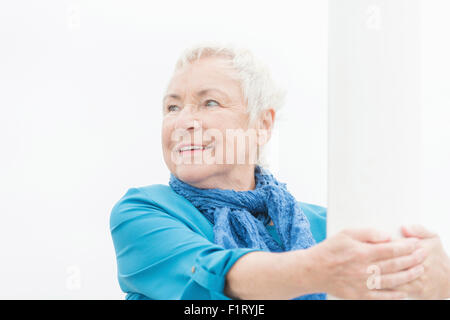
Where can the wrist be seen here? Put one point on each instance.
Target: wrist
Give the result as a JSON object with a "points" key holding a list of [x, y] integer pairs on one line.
{"points": [[306, 270]]}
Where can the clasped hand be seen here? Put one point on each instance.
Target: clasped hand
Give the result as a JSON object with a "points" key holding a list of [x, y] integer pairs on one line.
{"points": [[368, 264]]}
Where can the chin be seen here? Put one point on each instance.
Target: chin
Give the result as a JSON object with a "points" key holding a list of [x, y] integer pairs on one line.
{"points": [[194, 174]]}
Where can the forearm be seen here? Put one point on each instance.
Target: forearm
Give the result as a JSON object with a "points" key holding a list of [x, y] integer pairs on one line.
{"points": [[269, 275]]}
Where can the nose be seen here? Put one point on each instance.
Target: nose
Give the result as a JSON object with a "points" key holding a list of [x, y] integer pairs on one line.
{"points": [[187, 120]]}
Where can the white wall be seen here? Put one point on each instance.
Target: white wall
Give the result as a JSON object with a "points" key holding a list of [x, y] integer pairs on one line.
{"points": [[81, 84]]}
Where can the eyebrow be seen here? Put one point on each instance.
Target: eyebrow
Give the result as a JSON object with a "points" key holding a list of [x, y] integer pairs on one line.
{"points": [[200, 93], [171, 95]]}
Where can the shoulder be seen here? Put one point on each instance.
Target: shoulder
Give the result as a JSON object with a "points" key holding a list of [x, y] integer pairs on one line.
{"points": [[159, 200], [136, 198], [317, 217], [314, 209], [151, 193]]}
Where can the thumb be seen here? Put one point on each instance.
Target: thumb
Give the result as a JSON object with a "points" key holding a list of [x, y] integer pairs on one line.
{"points": [[416, 230]]}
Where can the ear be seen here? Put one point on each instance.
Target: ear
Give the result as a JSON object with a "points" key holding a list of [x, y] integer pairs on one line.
{"points": [[265, 126]]}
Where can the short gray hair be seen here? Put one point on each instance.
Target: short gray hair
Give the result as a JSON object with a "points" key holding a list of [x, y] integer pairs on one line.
{"points": [[258, 87]]}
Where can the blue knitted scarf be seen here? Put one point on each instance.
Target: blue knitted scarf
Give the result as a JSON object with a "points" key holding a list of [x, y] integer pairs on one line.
{"points": [[239, 217]]}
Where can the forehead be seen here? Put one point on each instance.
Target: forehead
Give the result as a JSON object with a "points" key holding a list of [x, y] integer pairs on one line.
{"points": [[206, 72]]}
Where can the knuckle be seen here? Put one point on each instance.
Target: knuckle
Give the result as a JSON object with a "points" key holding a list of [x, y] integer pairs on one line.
{"points": [[402, 249], [364, 254], [373, 253], [410, 247], [384, 282], [395, 250], [409, 275], [386, 267], [399, 250], [413, 273], [360, 253], [388, 251], [396, 264], [365, 271], [416, 258]]}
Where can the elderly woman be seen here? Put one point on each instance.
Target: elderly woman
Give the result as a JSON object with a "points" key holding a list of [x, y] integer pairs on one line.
{"points": [[226, 228]]}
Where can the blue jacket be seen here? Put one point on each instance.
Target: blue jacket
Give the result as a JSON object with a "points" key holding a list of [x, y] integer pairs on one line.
{"points": [[165, 247]]}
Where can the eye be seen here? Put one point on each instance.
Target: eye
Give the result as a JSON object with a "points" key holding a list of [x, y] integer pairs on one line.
{"points": [[211, 103], [170, 108]]}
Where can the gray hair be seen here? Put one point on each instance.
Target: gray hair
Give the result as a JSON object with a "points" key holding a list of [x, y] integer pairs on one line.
{"points": [[258, 88]]}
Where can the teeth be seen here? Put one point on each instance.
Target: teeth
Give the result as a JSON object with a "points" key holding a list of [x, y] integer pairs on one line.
{"points": [[190, 148], [193, 148]]}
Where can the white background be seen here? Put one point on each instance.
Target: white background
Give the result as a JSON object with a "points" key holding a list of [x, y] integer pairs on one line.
{"points": [[81, 84]]}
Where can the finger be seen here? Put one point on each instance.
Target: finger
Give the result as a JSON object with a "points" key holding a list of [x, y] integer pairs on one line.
{"points": [[396, 279], [411, 288], [386, 295], [398, 248], [403, 262], [368, 235], [418, 231]]}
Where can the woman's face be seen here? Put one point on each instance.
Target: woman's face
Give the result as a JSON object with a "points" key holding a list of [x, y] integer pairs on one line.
{"points": [[204, 106]]}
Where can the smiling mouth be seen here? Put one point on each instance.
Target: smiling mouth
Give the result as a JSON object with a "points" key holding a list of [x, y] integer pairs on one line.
{"points": [[192, 149]]}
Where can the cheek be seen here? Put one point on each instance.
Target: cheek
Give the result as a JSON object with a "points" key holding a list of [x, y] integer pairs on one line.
{"points": [[166, 135], [166, 132], [236, 142]]}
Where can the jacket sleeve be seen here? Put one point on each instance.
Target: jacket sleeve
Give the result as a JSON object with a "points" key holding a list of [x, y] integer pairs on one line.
{"points": [[160, 257]]}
